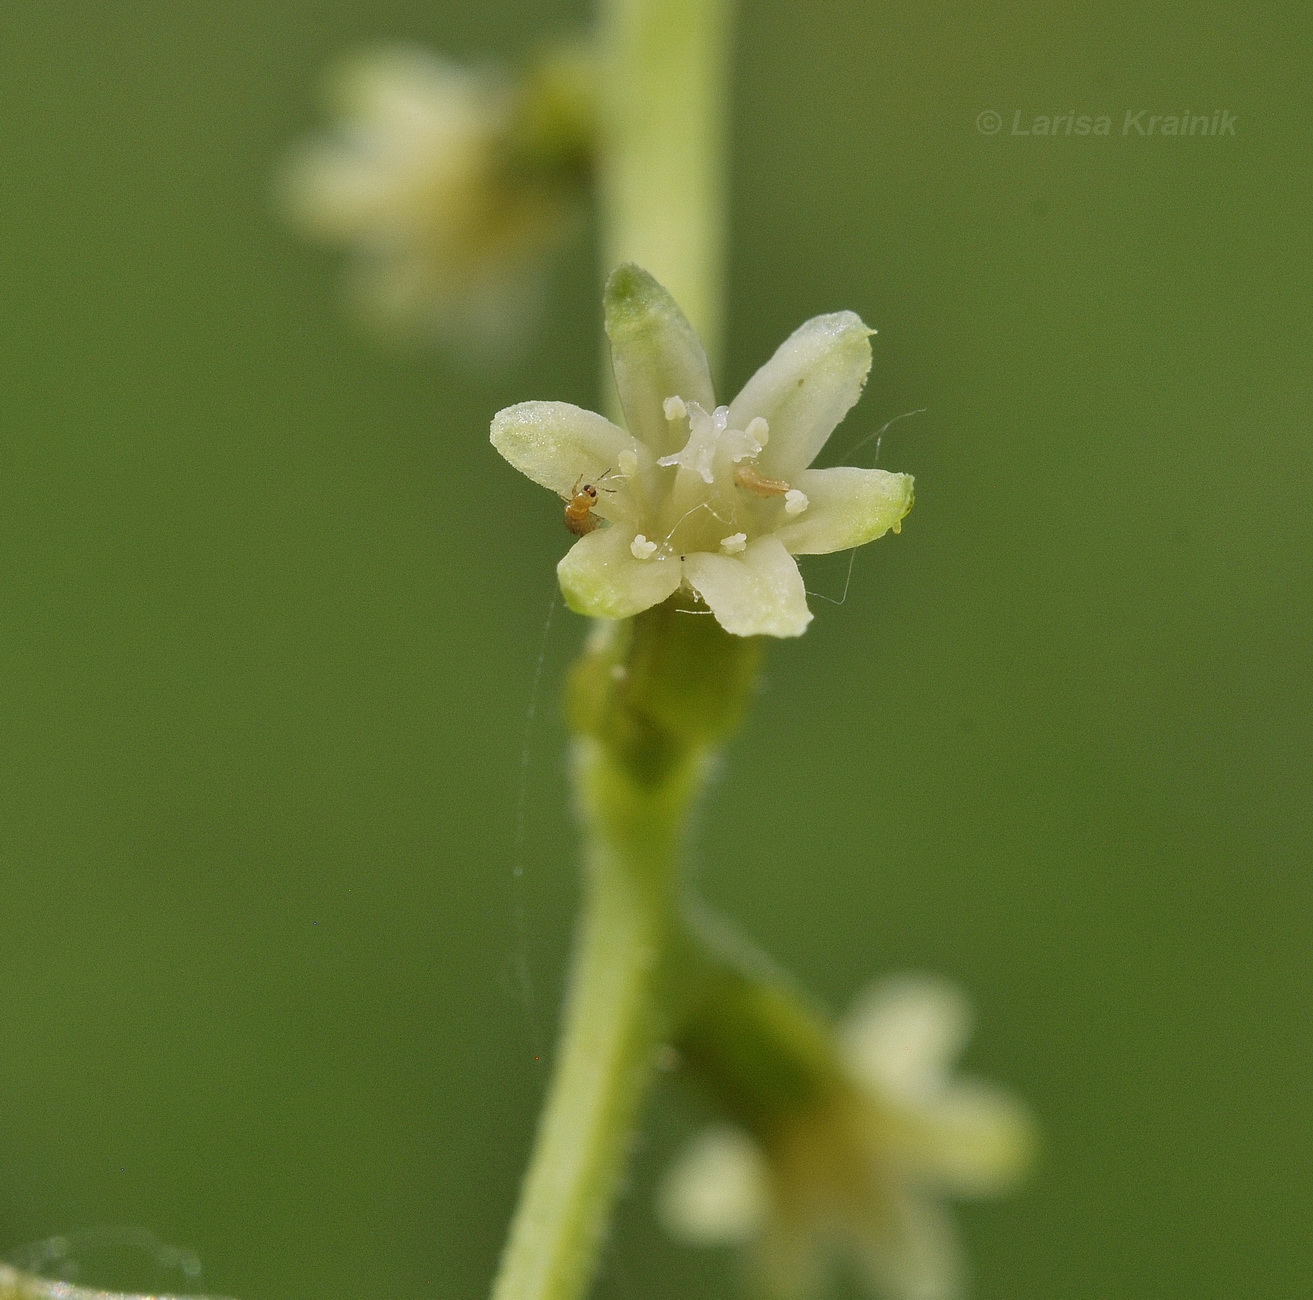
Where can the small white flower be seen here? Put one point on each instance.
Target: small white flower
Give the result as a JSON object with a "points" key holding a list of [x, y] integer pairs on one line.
{"points": [[725, 493], [421, 180], [863, 1177]]}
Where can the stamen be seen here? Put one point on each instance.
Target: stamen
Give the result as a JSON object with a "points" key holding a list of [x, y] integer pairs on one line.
{"points": [[734, 545], [674, 408], [641, 549], [758, 429], [749, 476], [627, 463], [795, 502]]}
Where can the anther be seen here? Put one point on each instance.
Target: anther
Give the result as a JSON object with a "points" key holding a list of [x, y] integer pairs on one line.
{"points": [[747, 475]]}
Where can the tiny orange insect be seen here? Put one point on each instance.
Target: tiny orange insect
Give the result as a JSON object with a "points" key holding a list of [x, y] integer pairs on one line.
{"points": [[747, 475], [579, 517]]}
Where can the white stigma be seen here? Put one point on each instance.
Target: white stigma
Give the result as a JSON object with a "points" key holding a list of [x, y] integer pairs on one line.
{"points": [[699, 453], [710, 439], [674, 408], [795, 502], [735, 544], [627, 463], [641, 549]]}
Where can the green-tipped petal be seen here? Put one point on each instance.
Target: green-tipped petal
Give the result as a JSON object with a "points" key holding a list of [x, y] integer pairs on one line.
{"points": [[805, 389], [758, 593], [655, 354], [601, 578], [845, 507], [556, 444]]}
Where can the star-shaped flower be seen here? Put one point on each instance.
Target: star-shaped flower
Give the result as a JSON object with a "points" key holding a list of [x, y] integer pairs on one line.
{"points": [[715, 499], [862, 1175]]}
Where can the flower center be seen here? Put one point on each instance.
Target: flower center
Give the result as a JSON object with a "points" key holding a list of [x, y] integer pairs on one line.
{"points": [[718, 499], [712, 445]]}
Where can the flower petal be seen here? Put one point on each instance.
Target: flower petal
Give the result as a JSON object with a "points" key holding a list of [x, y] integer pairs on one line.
{"points": [[407, 87], [758, 593], [913, 1254], [655, 354], [600, 576], [716, 1191], [556, 444], [805, 389], [903, 1034], [846, 507], [978, 1139]]}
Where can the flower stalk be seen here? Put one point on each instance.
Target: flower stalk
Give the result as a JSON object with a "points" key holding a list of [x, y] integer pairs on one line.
{"points": [[664, 167], [650, 700]]}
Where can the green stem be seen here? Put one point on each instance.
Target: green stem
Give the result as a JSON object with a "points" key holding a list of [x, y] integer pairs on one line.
{"points": [[650, 701], [751, 1041], [612, 1026], [664, 166]]}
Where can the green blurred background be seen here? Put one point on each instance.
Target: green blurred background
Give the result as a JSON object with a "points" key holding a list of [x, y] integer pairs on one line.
{"points": [[272, 611]]}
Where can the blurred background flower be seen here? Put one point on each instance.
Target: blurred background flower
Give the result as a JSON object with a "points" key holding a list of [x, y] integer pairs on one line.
{"points": [[450, 186], [862, 1175]]}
